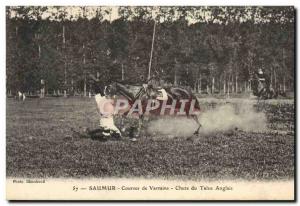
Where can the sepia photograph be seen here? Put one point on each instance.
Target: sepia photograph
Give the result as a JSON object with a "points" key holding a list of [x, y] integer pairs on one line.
{"points": [[150, 103]]}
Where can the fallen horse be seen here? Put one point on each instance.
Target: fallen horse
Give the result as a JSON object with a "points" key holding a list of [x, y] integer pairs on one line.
{"points": [[117, 99], [158, 102]]}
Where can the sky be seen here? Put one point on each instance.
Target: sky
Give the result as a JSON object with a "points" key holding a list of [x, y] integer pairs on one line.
{"points": [[203, 12]]}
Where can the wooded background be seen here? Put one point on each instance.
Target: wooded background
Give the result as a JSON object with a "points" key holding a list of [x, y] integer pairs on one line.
{"points": [[209, 49]]}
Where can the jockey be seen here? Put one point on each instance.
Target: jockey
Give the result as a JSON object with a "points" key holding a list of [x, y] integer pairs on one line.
{"points": [[264, 80], [261, 75], [106, 109], [156, 91], [107, 127]]}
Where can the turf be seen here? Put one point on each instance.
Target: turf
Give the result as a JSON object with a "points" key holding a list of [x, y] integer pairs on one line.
{"points": [[40, 143]]}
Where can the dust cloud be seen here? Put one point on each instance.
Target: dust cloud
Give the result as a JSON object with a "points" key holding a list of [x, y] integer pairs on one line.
{"points": [[227, 117], [222, 118], [172, 126]]}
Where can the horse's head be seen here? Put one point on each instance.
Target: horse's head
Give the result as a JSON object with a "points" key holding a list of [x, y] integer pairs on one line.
{"points": [[117, 89], [111, 89]]}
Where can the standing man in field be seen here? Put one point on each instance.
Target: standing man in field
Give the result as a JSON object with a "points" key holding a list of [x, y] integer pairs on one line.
{"points": [[42, 88], [21, 96]]}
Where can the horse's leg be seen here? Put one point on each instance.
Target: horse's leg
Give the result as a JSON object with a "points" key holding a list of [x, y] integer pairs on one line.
{"points": [[198, 124], [195, 118], [141, 118], [122, 123]]}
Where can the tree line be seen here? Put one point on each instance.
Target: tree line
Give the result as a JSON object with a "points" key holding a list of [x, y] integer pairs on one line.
{"points": [[208, 49]]}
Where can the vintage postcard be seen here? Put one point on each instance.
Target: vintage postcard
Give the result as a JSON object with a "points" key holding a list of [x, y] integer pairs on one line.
{"points": [[150, 103]]}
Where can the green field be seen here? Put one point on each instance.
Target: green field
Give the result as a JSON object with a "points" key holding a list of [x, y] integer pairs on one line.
{"points": [[40, 143]]}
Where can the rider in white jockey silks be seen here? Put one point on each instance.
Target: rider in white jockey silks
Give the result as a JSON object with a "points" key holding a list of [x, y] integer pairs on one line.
{"points": [[106, 110], [107, 128]]}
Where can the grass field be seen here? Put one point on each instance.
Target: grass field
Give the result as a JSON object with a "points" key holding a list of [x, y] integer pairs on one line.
{"points": [[40, 143]]}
